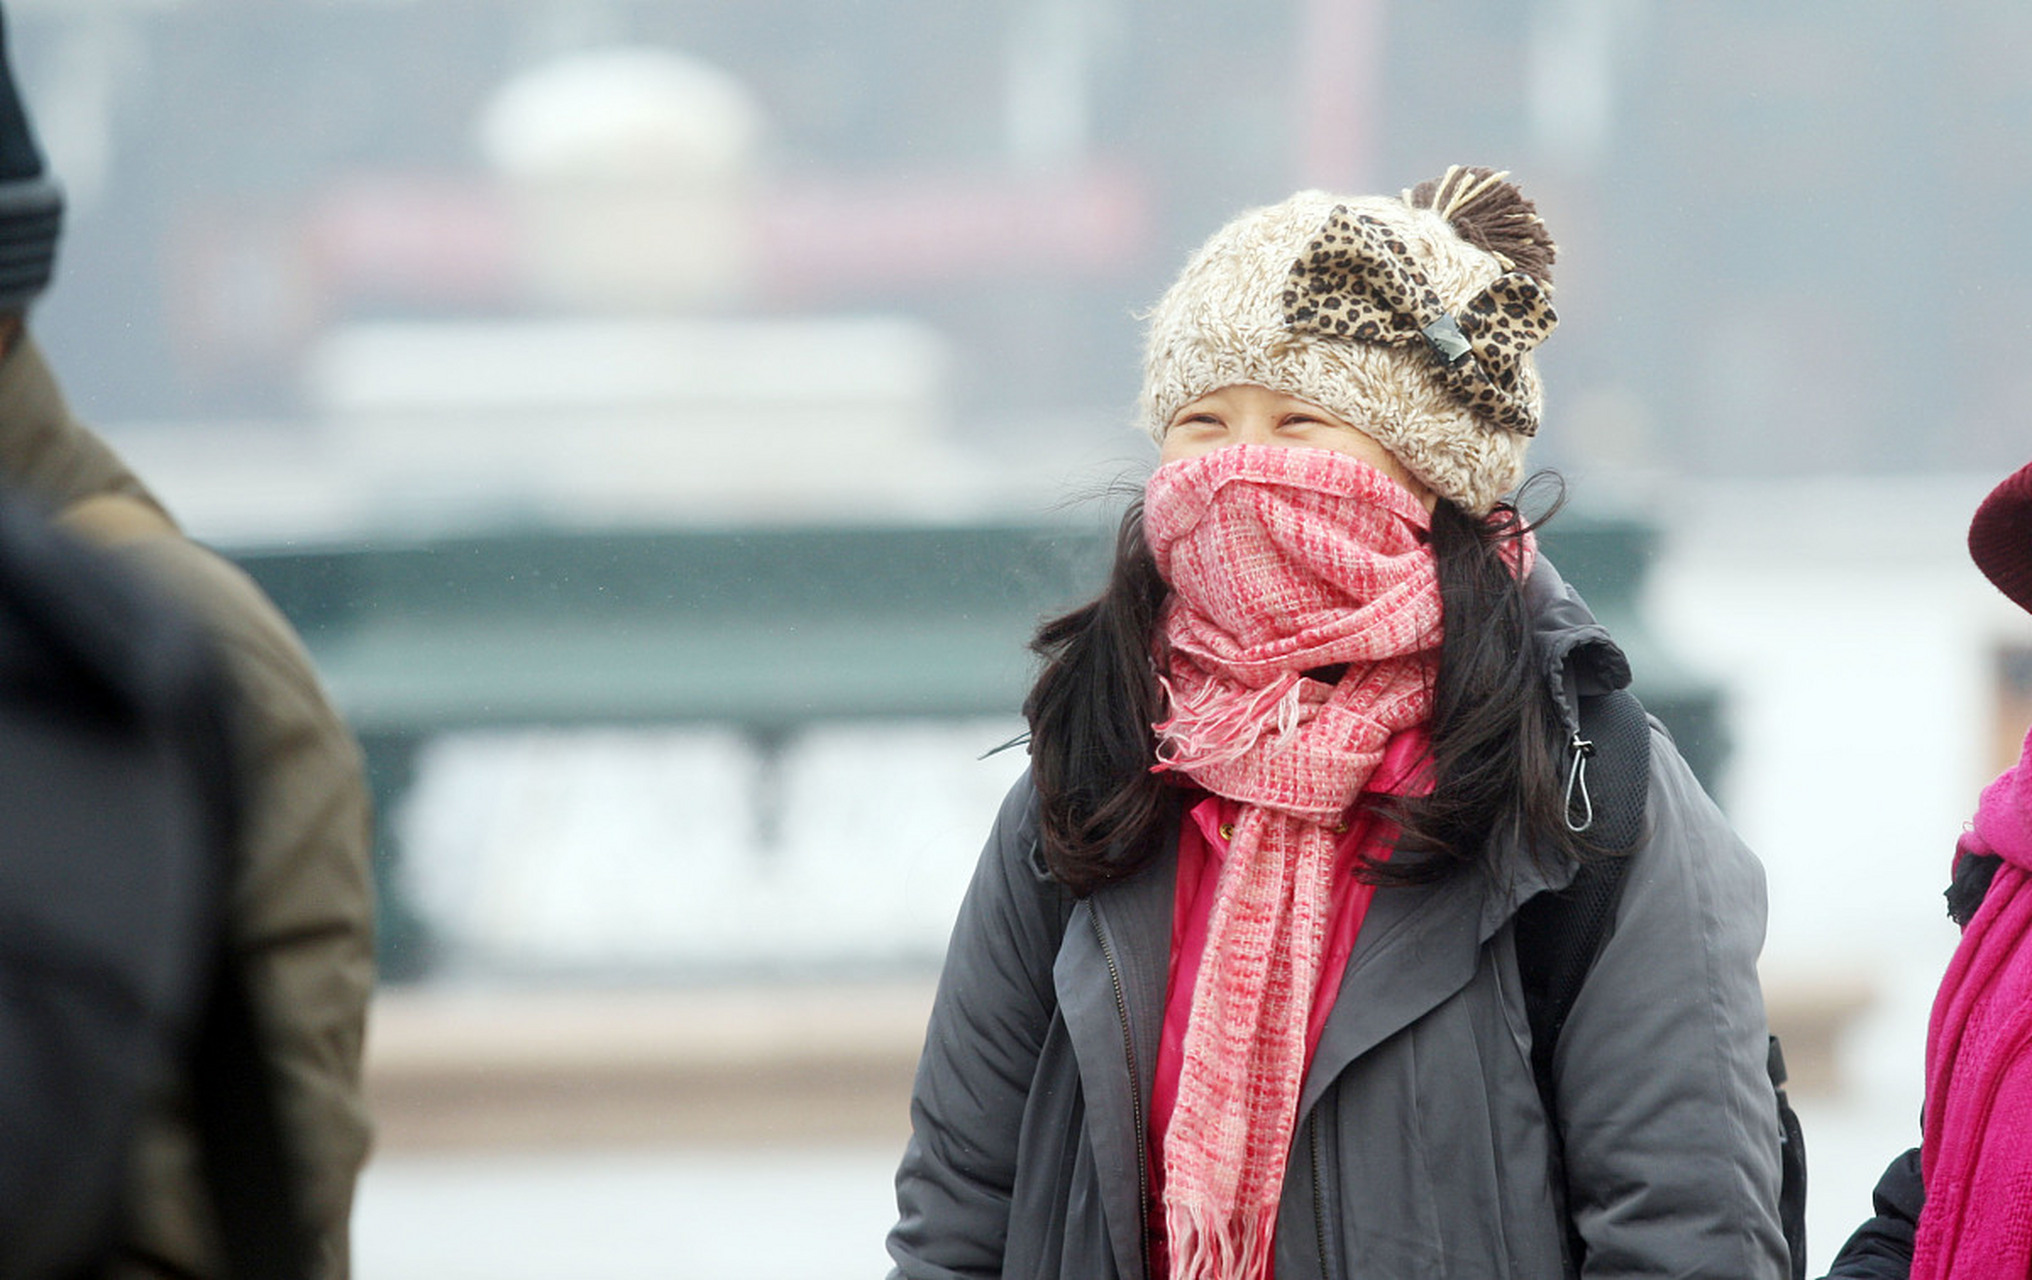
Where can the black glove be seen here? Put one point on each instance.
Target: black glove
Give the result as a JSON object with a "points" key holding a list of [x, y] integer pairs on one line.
{"points": [[1881, 1249]]}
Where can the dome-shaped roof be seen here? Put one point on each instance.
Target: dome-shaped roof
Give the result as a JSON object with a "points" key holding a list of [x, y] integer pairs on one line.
{"points": [[620, 112]]}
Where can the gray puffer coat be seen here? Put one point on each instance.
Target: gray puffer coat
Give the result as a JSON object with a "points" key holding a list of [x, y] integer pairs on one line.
{"points": [[1422, 1147]]}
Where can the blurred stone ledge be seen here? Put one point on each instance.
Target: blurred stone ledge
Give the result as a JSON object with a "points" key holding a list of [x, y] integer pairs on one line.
{"points": [[543, 1067], [1812, 1016]]}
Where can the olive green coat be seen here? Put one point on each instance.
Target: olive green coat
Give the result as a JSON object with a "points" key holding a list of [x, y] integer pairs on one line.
{"points": [[302, 904]]}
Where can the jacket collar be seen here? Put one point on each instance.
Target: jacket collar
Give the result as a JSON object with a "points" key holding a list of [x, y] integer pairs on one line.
{"points": [[1580, 658]]}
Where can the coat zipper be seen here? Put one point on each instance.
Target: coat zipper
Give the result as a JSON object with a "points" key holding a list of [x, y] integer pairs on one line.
{"points": [[1135, 1095], [1326, 1267]]}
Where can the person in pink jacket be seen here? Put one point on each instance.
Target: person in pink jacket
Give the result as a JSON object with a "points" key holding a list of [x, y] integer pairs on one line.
{"points": [[1977, 1152], [1960, 1207]]}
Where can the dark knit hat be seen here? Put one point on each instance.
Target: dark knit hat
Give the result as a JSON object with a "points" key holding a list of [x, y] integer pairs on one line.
{"points": [[31, 206], [2000, 537]]}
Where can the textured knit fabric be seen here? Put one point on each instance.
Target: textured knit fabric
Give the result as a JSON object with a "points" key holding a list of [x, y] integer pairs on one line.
{"points": [[1202, 849], [1280, 561], [1977, 1153], [1224, 323]]}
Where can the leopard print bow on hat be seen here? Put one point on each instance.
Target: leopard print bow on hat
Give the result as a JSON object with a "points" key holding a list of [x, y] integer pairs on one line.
{"points": [[1357, 281]]}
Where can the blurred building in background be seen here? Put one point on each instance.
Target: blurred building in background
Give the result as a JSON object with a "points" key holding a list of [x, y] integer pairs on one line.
{"points": [[597, 381], [1790, 235]]}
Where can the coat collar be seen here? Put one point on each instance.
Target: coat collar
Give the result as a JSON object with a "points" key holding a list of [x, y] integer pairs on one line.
{"points": [[1580, 658]]}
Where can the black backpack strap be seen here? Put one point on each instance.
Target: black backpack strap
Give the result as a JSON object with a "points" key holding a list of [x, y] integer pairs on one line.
{"points": [[1791, 1163], [1560, 933]]}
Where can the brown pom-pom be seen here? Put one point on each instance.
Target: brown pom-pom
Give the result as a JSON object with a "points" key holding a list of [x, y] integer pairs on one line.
{"points": [[1488, 212]]}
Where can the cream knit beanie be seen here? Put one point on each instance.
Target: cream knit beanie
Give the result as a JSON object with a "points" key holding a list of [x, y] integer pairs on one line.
{"points": [[1471, 244]]}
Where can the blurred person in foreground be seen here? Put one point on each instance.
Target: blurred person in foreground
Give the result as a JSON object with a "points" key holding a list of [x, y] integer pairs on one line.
{"points": [[300, 903], [1241, 985], [1959, 1207], [120, 812]]}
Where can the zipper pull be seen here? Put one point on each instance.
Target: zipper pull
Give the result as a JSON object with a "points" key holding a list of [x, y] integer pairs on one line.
{"points": [[1576, 780]]}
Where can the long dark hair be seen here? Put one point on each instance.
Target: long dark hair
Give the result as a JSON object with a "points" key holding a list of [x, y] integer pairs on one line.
{"points": [[1496, 741]]}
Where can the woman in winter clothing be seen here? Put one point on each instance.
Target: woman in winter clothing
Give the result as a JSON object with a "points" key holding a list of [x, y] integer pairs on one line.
{"points": [[1960, 1206], [1236, 989]]}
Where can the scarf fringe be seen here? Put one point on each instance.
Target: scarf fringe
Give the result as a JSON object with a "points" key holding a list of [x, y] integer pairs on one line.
{"points": [[1219, 727], [1236, 1245]]}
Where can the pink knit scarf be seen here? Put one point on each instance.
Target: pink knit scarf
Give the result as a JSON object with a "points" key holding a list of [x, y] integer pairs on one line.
{"points": [[1280, 561], [1977, 1154]]}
